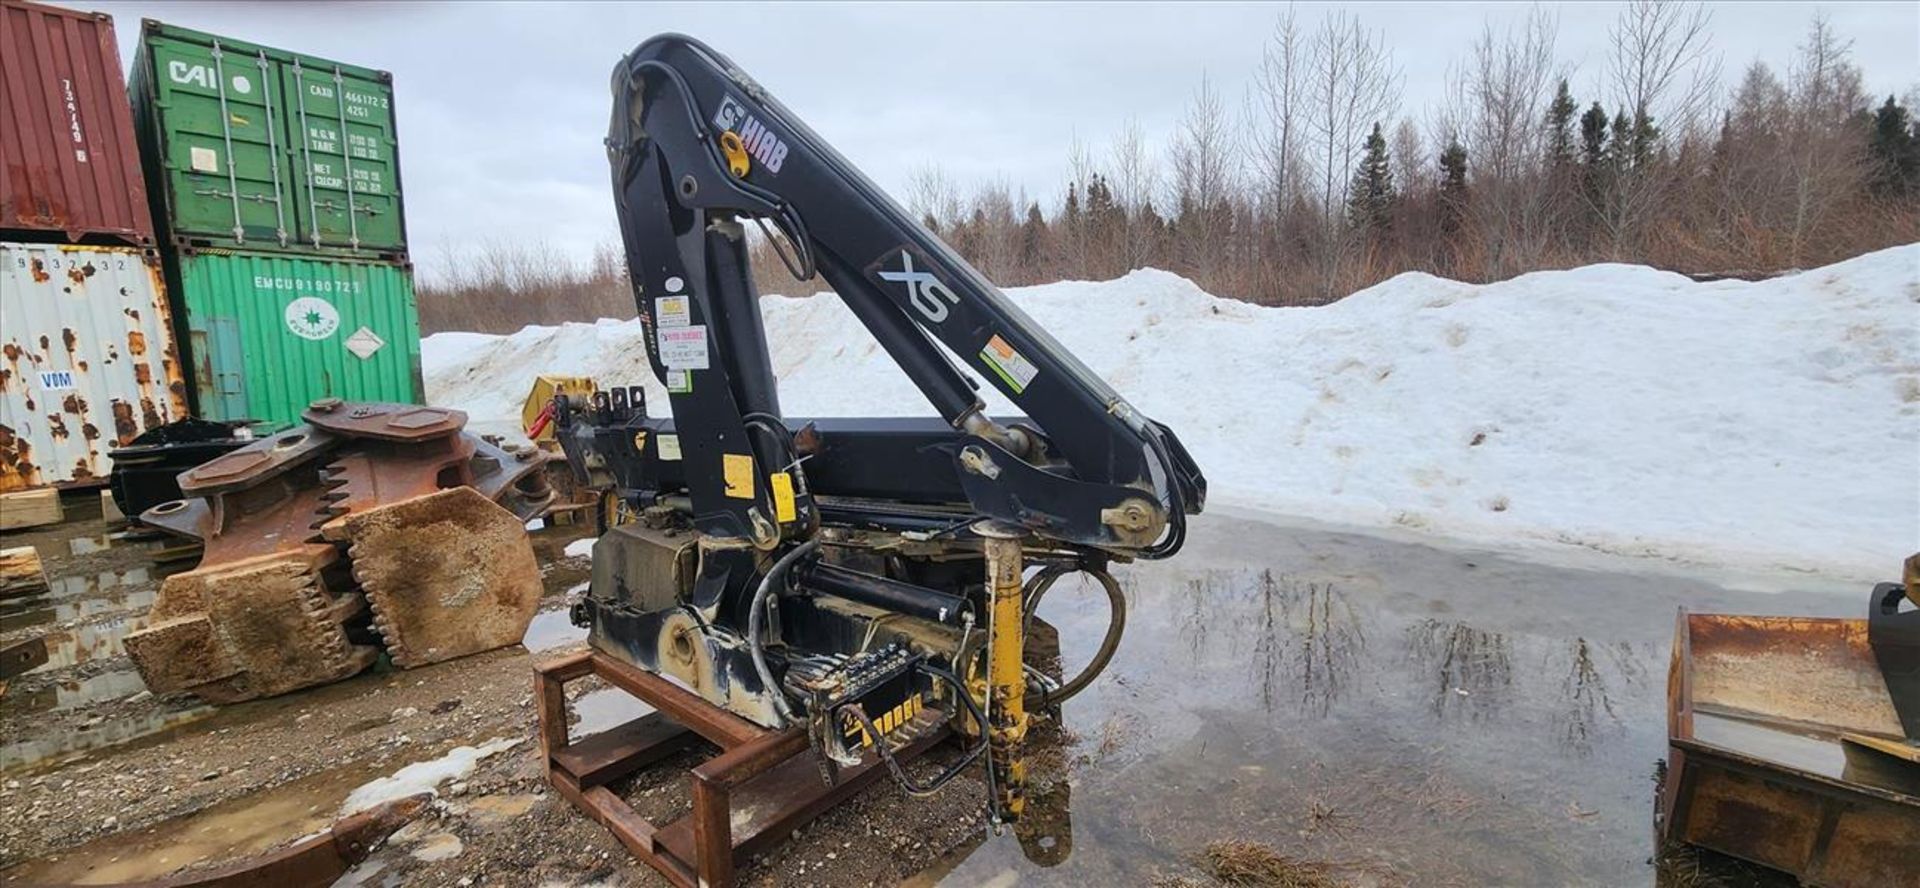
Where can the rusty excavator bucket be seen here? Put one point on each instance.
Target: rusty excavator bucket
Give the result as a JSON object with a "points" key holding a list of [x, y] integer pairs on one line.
{"points": [[1794, 742], [371, 526]]}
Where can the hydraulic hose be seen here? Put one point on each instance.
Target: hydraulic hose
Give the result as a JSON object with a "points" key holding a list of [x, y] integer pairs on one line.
{"points": [[1116, 625], [899, 774], [756, 622]]}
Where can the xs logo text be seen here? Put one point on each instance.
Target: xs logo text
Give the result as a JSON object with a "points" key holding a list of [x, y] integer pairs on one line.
{"points": [[923, 289]]}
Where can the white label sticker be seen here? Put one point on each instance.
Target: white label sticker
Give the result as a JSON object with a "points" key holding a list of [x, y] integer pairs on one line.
{"points": [[684, 348], [364, 342], [679, 381], [671, 311], [310, 317], [1011, 366], [204, 160], [56, 380], [669, 446]]}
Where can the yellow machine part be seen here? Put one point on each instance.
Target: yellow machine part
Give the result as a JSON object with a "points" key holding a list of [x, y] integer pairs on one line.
{"points": [[544, 388]]}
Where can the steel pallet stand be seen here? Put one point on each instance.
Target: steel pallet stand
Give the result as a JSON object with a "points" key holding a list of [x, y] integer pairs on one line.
{"points": [[766, 775]]}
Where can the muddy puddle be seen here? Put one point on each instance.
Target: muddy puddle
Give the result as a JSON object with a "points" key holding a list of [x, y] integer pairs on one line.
{"points": [[552, 629], [1407, 714], [230, 830]]}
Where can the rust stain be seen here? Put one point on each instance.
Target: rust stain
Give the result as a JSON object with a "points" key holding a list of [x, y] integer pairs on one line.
{"points": [[67, 336], [74, 404], [45, 343], [57, 426], [136, 343], [13, 351], [82, 471], [16, 461], [6, 378], [39, 271], [90, 431], [82, 366], [124, 428], [77, 276], [142, 375], [149, 414]]}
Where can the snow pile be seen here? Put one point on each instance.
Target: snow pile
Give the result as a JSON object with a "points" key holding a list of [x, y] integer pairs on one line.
{"points": [[1772, 424], [424, 776]]}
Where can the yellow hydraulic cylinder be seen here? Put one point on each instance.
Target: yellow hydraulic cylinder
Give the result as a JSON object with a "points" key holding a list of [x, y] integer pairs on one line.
{"points": [[1006, 675]]}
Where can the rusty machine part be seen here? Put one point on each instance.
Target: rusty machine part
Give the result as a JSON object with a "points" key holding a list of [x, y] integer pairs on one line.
{"points": [[373, 525], [447, 574], [313, 862], [1787, 746]]}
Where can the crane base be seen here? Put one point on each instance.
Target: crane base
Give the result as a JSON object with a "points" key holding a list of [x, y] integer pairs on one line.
{"points": [[768, 776]]}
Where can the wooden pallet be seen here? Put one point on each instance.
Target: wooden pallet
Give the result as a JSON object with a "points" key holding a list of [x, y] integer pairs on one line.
{"points": [[768, 776]]}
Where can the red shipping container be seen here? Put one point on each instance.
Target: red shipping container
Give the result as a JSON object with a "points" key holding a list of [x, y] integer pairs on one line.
{"points": [[68, 162]]}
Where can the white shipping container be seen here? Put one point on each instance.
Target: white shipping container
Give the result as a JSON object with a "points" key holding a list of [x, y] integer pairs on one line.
{"points": [[89, 360]]}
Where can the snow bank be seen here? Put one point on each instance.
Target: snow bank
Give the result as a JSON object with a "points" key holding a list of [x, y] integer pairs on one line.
{"points": [[1615, 407]]}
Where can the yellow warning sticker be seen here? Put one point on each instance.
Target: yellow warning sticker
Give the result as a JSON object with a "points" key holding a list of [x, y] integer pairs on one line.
{"points": [[737, 470], [782, 484]]}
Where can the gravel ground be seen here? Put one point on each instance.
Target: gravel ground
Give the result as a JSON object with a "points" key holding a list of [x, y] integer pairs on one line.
{"points": [[240, 780]]}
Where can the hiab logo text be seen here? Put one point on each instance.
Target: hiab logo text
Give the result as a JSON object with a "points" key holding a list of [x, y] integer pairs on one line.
{"points": [[760, 141], [923, 289]]}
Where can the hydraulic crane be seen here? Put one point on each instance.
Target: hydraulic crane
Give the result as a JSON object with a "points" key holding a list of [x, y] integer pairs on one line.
{"points": [[870, 579]]}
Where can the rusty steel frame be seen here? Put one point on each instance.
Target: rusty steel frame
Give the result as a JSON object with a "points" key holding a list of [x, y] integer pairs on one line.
{"points": [[1822, 829], [773, 768]]}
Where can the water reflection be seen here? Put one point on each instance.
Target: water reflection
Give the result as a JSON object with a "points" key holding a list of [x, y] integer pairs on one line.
{"points": [[1305, 635], [1467, 670], [1588, 700]]}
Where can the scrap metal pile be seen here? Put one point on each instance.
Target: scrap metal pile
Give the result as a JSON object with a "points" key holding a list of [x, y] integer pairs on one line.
{"points": [[370, 526]]}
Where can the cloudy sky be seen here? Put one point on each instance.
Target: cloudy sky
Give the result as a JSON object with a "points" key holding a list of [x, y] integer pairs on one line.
{"points": [[503, 106]]}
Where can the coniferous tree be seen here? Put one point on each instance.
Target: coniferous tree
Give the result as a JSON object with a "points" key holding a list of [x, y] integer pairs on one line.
{"points": [[1560, 127], [1593, 137], [1033, 235], [1370, 199], [1453, 185], [1896, 151]]}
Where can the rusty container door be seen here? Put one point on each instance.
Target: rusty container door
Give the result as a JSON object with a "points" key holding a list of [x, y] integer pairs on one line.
{"points": [[89, 360], [69, 167]]}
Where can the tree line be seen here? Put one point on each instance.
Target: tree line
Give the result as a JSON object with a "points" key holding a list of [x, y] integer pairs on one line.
{"points": [[1307, 182], [1312, 187]]}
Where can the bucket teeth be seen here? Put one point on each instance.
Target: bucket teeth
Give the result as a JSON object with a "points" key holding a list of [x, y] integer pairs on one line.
{"points": [[254, 628], [446, 574], [437, 573]]}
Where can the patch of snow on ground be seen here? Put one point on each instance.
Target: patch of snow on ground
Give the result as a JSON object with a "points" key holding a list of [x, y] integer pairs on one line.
{"points": [[581, 548], [1771, 424], [423, 776]]}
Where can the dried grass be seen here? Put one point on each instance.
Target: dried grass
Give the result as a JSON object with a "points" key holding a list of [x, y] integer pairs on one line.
{"points": [[1253, 865]]}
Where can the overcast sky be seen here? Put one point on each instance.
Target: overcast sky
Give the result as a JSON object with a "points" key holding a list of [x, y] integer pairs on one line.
{"points": [[502, 106]]}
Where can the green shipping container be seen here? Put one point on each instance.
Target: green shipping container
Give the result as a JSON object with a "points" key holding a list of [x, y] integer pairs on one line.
{"points": [[269, 333], [248, 146]]}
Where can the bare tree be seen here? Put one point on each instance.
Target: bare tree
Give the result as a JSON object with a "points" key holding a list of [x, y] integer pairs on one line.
{"points": [[1827, 164], [1352, 85], [1500, 98], [1662, 65], [1662, 72], [1135, 177], [1279, 89], [932, 195], [1205, 168]]}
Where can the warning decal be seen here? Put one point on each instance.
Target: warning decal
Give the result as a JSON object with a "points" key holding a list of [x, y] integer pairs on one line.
{"points": [[736, 469], [671, 311], [1012, 368], [684, 348]]}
